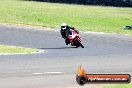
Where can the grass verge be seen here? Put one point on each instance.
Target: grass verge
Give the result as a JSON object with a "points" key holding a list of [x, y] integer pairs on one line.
{"points": [[119, 86], [85, 18], [13, 49]]}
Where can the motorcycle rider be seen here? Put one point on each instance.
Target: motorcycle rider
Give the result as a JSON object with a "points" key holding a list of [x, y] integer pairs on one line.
{"points": [[65, 29]]}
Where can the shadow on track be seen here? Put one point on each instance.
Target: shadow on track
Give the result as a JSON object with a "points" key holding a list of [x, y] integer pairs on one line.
{"points": [[59, 48]]}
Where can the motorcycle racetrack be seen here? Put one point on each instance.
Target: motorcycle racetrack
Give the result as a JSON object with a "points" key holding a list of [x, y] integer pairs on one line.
{"points": [[56, 68]]}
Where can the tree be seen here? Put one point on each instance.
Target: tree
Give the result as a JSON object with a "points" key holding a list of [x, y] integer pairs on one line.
{"points": [[119, 3]]}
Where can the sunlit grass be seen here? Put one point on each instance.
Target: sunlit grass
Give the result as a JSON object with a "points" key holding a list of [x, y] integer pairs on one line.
{"points": [[86, 18], [119, 86], [14, 49]]}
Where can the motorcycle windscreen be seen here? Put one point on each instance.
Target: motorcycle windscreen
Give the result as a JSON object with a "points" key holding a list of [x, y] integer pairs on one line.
{"points": [[69, 32]]}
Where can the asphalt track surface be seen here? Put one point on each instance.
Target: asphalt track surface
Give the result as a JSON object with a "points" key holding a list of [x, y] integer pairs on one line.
{"points": [[103, 53]]}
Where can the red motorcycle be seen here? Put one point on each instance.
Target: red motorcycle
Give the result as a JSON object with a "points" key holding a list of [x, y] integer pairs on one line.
{"points": [[74, 39]]}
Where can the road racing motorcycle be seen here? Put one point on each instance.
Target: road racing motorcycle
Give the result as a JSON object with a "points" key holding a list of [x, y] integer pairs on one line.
{"points": [[74, 38]]}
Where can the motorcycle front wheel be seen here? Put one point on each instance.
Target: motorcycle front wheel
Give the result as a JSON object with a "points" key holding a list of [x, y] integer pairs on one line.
{"points": [[80, 43]]}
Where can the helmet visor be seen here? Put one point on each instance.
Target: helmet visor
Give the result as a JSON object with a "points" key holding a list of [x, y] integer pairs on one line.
{"points": [[63, 27]]}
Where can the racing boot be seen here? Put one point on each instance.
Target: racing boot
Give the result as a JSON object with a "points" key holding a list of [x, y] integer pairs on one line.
{"points": [[66, 41], [72, 44]]}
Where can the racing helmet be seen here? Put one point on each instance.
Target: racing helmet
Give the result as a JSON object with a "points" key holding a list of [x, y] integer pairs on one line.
{"points": [[64, 26]]}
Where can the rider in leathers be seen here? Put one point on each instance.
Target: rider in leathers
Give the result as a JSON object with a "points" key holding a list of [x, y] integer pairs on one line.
{"points": [[65, 29]]}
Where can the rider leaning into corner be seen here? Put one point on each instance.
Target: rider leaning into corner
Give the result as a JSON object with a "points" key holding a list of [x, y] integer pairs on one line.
{"points": [[65, 29]]}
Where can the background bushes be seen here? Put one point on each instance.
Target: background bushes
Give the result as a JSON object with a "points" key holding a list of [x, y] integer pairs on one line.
{"points": [[118, 3]]}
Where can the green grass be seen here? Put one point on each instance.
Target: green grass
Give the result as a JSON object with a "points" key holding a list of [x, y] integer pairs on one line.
{"points": [[119, 86], [86, 18], [14, 49]]}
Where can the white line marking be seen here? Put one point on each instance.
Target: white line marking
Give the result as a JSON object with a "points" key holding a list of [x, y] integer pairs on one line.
{"points": [[53, 72], [47, 73], [37, 73]]}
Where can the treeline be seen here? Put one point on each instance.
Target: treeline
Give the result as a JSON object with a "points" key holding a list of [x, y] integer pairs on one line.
{"points": [[118, 3]]}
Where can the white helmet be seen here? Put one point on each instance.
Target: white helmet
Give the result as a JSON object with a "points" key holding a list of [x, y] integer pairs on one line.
{"points": [[63, 26]]}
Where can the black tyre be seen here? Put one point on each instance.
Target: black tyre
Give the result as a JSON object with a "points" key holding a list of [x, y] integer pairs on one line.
{"points": [[78, 40], [81, 45]]}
